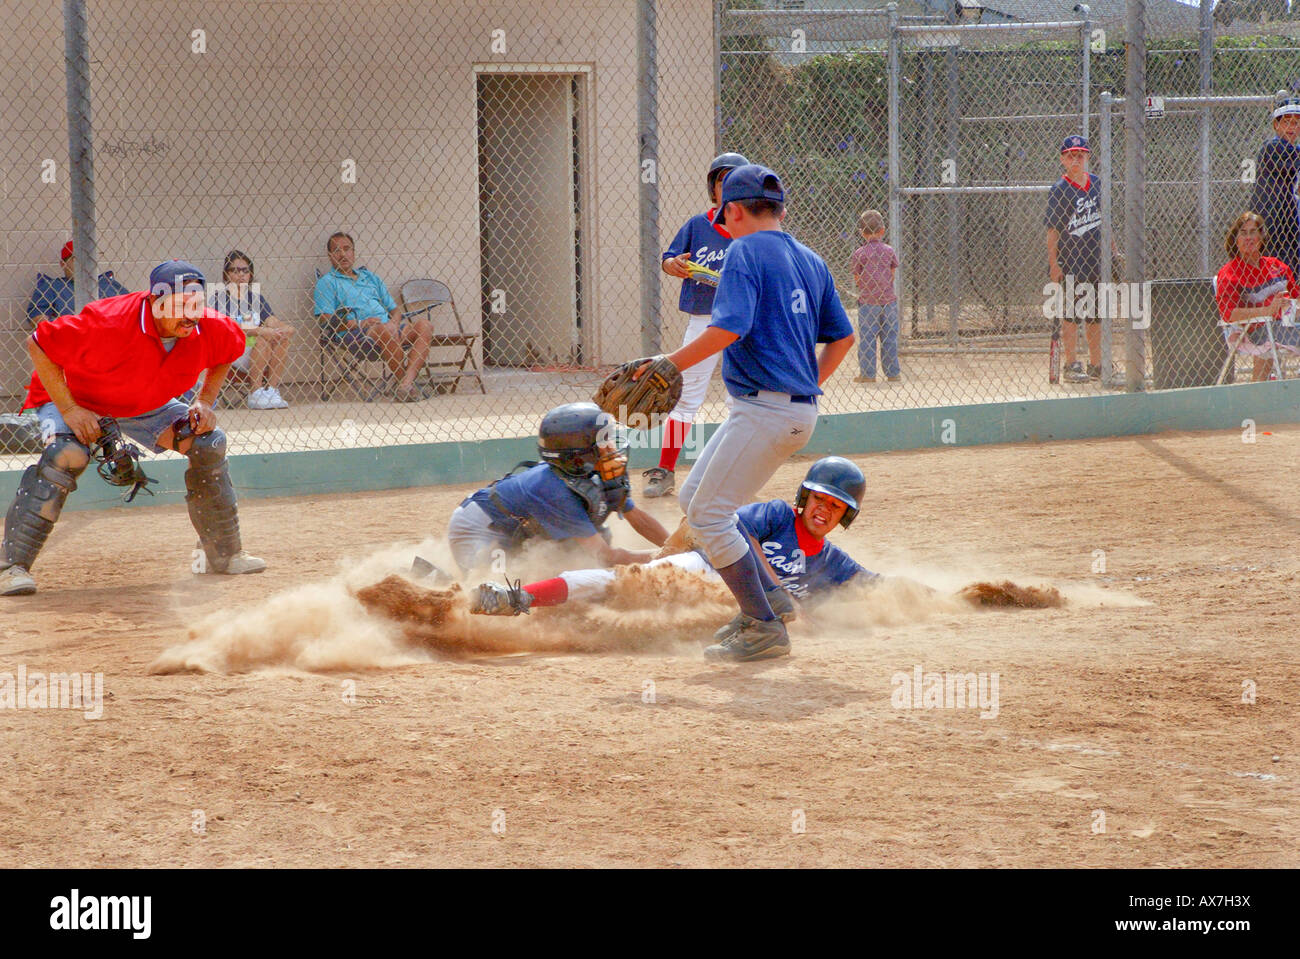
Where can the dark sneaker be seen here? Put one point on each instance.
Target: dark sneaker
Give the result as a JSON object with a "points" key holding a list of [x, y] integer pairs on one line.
{"points": [[1074, 373], [754, 639], [660, 482], [501, 599], [1094, 372], [16, 581], [780, 601]]}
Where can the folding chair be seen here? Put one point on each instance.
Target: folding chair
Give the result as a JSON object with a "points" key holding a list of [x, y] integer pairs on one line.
{"points": [[343, 354], [422, 297], [1237, 338]]}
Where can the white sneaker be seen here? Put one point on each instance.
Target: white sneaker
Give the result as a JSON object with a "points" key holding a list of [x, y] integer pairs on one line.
{"points": [[257, 400], [16, 581], [276, 401], [239, 564]]}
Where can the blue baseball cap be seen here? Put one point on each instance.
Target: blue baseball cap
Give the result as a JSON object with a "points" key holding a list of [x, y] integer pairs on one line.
{"points": [[749, 182], [1075, 142], [173, 276], [1290, 106]]}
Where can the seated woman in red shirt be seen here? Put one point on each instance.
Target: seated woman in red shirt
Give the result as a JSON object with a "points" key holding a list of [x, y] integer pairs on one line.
{"points": [[1252, 286]]}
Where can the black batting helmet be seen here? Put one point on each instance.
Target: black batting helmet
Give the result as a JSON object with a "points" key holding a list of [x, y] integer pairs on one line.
{"points": [[569, 434], [836, 477], [721, 163]]}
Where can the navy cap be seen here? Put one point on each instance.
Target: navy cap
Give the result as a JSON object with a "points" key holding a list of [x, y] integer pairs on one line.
{"points": [[1289, 106], [173, 276], [1074, 142], [749, 182]]}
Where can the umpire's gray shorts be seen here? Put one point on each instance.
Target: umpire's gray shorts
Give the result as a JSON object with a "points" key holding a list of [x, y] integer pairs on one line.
{"points": [[762, 432]]}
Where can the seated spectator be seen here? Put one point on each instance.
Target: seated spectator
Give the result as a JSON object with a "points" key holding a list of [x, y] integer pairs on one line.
{"points": [[369, 311], [1252, 286], [54, 295], [239, 297]]}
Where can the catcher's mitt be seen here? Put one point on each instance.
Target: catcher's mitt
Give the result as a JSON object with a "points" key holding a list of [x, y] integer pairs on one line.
{"points": [[680, 540], [633, 401]]}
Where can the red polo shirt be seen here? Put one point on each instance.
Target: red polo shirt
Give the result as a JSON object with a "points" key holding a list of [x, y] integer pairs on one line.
{"points": [[114, 359]]}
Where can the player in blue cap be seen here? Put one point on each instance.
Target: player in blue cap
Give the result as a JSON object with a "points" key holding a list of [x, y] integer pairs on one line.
{"points": [[703, 242], [775, 302], [791, 537]]}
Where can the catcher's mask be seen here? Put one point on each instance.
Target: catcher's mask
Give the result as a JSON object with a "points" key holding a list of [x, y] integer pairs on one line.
{"points": [[838, 478], [720, 165], [579, 439]]}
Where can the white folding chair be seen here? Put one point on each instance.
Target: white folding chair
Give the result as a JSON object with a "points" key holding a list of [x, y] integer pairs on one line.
{"points": [[1236, 336]]}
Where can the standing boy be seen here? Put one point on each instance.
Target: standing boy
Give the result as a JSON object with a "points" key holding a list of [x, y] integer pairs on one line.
{"points": [[775, 302], [874, 265], [1073, 222], [701, 241]]}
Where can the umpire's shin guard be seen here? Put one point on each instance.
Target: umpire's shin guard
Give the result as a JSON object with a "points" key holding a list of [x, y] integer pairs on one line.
{"points": [[41, 494], [210, 496]]}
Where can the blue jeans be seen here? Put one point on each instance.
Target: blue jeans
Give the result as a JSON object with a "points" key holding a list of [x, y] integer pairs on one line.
{"points": [[878, 322], [144, 429]]}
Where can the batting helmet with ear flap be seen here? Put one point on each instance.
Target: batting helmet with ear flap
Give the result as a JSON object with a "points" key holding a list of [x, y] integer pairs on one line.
{"points": [[569, 434], [721, 163], [838, 478]]}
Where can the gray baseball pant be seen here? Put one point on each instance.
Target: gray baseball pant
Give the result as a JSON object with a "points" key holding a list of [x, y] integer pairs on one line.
{"points": [[762, 432]]}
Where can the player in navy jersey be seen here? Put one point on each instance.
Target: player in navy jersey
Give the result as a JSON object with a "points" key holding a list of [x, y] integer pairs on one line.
{"points": [[1277, 168], [704, 242], [1073, 221], [791, 540], [580, 484], [775, 302]]}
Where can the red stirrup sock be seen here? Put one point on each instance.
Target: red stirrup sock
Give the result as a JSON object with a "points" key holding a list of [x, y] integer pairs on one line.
{"points": [[674, 439], [549, 592]]}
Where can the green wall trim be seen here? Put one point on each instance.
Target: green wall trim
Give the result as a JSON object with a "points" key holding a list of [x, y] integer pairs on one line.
{"points": [[430, 464]]}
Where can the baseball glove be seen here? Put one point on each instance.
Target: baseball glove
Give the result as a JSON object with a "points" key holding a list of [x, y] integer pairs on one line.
{"points": [[680, 540], [633, 401]]}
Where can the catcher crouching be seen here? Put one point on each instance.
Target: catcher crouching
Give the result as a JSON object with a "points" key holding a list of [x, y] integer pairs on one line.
{"points": [[581, 482], [125, 358]]}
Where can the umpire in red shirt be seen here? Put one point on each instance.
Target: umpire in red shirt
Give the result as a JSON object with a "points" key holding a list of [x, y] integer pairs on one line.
{"points": [[128, 357]]}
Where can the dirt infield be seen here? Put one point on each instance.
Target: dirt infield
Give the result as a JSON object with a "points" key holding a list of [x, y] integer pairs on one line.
{"points": [[1148, 721]]}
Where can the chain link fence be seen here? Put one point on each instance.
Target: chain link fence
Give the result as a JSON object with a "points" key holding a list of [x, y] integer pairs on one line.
{"points": [[950, 119], [507, 152], [530, 163]]}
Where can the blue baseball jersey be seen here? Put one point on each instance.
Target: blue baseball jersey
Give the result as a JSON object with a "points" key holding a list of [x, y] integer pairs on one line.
{"points": [[54, 296], [1074, 212], [779, 297], [707, 246], [804, 563], [539, 494]]}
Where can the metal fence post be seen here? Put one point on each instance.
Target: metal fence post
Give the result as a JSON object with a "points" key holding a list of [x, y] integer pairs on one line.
{"points": [[1203, 133], [717, 76], [648, 123], [1107, 234], [81, 167], [895, 200], [1086, 27], [1135, 171]]}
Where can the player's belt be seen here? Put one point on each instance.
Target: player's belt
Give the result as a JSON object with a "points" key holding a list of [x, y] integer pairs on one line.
{"points": [[793, 398]]}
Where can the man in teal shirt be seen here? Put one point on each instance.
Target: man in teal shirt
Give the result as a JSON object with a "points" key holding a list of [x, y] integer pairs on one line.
{"points": [[370, 314]]}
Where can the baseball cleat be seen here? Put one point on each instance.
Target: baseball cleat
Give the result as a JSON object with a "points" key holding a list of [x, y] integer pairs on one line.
{"points": [[421, 568], [660, 482], [16, 581], [238, 565], [755, 639], [1074, 373], [501, 599], [782, 604]]}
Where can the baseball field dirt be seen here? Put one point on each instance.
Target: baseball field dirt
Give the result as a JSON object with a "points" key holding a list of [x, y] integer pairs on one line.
{"points": [[1147, 720]]}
